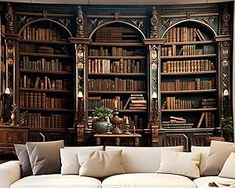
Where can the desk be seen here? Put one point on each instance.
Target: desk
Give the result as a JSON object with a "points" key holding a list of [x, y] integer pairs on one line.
{"points": [[118, 139]]}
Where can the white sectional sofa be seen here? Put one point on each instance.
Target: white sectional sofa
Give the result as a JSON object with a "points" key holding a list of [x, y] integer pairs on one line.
{"points": [[140, 164]]}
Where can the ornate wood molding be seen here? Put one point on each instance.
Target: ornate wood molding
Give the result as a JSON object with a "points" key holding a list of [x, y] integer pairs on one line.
{"points": [[80, 23], [10, 29]]}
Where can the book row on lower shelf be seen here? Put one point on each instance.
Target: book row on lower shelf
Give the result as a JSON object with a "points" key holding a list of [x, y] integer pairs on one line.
{"points": [[178, 103], [44, 64], [45, 82], [205, 120], [116, 66], [195, 84], [187, 50], [131, 103], [115, 85], [37, 120], [187, 66], [41, 100]]}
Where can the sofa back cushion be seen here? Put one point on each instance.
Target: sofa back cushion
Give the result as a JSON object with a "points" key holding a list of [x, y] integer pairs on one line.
{"points": [[142, 159], [180, 163], [219, 152], [45, 156], [204, 152], [101, 164], [69, 158]]}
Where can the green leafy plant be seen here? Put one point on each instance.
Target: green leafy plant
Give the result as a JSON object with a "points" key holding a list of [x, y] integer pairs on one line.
{"points": [[102, 113], [227, 128]]}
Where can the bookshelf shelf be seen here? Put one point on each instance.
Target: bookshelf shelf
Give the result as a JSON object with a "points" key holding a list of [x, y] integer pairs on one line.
{"points": [[47, 109], [46, 90], [190, 91], [127, 111], [189, 42], [189, 73], [190, 110], [46, 72], [45, 42], [117, 44], [117, 57], [117, 74], [46, 55], [62, 130], [116, 92], [189, 56]]}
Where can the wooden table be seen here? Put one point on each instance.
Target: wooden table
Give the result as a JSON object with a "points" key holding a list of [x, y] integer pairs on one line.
{"points": [[119, 139]]}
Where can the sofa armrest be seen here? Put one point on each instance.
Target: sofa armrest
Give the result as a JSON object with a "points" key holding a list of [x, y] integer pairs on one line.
{"points": [[9, 173]]}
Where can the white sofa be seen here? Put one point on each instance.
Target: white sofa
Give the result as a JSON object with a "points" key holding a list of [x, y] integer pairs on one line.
{"points": [[140, 163]]}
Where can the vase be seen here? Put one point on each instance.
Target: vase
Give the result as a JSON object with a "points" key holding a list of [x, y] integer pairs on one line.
{"points": [[101, 126]]}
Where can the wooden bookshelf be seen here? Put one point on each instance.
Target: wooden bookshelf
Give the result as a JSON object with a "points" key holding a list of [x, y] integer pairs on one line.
{"points": [[117, 71], [46, 81], [189, 72]]}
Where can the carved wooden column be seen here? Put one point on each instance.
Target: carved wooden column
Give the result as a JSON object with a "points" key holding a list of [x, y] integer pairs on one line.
{"points": [[154, 45], [225, 63], [11, 45], [80, 42]]}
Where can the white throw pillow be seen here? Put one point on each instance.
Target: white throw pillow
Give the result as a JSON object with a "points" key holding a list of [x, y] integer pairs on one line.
{"points": [[228, 168], [101, 164], [219, 152], [180, 163], [69, 160]]}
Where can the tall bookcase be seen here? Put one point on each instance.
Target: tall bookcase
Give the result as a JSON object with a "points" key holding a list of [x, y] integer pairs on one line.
{"points": [[117, 73], [189, 71], [46, 79], [194, 64]]}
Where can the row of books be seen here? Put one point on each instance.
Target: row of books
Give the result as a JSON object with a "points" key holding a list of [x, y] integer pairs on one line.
{"points": [[208, 103], [116, 34], [187, 50], [115, 85], [44, 64], [206, 120], [196, 84], [41, 100], [45, 82], [97, 101], [113, 51], [187, 66], [116, 66], [41, 34], [184, 34], [177, 103], [37, 120]]}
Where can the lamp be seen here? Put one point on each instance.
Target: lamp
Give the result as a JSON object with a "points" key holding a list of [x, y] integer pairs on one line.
{"points": [[226, 92], [80, 94], [154, 95]]}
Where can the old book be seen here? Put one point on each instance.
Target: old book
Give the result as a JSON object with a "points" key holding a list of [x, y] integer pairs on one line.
{"points": [[201, 120]]}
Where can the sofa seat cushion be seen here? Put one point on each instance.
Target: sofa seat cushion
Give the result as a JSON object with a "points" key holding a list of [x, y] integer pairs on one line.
{"points": [[147, 180], [203, 182], [56, 180]]}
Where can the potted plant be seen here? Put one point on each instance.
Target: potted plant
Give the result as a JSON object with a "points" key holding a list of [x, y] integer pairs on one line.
{"points": [[227, 128], [101, 119]]}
